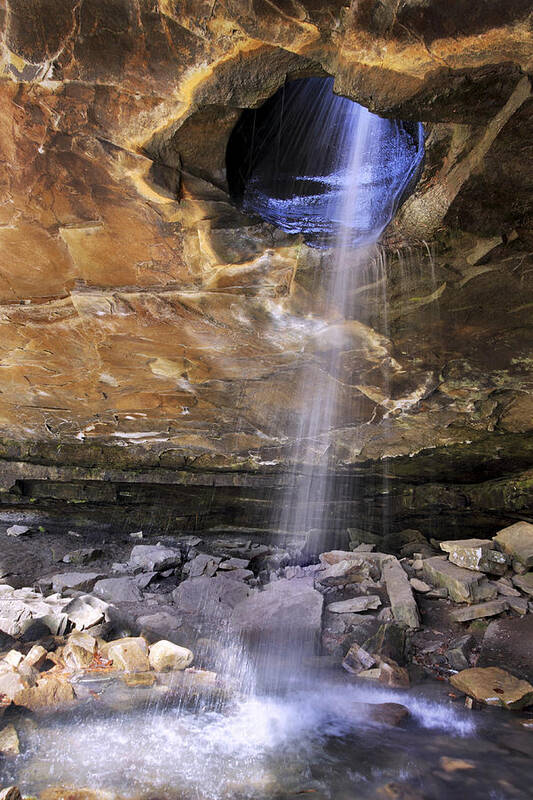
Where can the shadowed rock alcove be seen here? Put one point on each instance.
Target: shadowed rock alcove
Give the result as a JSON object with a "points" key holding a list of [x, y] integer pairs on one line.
{"points": [[287, 161]]}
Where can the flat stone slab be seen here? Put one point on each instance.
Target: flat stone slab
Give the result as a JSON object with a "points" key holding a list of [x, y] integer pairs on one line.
{"points": [[78, 581], [481, 610], [355, 605], [463, 585], [517, 542], [494, 687], [476, 554], [118, 590], [524, 582], [403, 603], [154, 558]]}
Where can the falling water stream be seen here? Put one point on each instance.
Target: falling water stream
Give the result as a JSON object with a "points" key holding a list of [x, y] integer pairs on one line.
{"points": [[348, 172]]}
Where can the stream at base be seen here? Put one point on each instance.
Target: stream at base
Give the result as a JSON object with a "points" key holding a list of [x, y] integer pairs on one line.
{"points": [[319, 742]]}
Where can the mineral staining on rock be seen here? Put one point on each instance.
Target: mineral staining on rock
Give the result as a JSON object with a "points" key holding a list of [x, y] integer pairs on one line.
{"points": [[495, 687]]}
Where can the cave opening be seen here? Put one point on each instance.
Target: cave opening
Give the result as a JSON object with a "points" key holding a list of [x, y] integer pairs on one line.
{"points": [[288, 162]]}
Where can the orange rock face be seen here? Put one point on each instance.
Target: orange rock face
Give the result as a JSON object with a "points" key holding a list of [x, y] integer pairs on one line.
{"points": [[139, 307]]}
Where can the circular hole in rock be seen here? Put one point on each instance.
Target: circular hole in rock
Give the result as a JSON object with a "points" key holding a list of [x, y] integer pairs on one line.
{"points": [[293, 160]]}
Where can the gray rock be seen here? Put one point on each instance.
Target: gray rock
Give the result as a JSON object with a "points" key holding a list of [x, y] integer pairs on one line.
{"points": [[357, 659], [508, 642], [82, 556], [202, 565], [285, 606], [118, 590], [517, 542], [236, 574], [22, 608], [479, 611], [86, 611], [505, 587], [518, 604], [145, 578], [18, 530], [463, 585], [153, 558], [161, 624], [234, 563], [403, 603], [355, 605], [480, 555], [459, 653], [438, 594], [78, 581], [524, 582], [210, 597], [419, 586]]}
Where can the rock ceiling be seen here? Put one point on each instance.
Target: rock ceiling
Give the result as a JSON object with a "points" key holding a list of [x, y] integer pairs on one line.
{"points": [[139, 308]]}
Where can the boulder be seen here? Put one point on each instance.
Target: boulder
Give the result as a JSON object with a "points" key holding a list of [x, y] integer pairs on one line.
{"points": [[160, 624], [518, 604], [459, 652], [165, 656], [213, 598], [343, 572], [129, 654], [403, 603], [51, 693], [86, 611], [355, 605], [78, 581], [462, 585], [524, 582], [118, 590], [284, 606], [495, 687], [154, 558], [517, 542], [79, 650], [357, 659], [480, 555], [9, 741], [509, 642], [392, 714], [489, 609]]}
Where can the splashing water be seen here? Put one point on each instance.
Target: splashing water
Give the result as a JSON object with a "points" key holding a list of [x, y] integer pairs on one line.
{"points": [[264, 748]]}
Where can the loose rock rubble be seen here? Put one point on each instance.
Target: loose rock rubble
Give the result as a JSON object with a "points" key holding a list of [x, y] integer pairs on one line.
{"points": [[463, 614]]}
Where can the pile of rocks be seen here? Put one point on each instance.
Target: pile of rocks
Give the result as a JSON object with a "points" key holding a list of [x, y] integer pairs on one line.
{"points": [[48, 680], [486, 576]]}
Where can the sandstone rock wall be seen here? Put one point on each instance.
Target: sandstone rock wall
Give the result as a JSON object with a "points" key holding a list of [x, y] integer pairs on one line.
{"points": [[141, 312]]}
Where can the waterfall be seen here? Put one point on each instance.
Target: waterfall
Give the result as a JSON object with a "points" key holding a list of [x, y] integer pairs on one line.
{"points": [[325, 166], [366, 164]]}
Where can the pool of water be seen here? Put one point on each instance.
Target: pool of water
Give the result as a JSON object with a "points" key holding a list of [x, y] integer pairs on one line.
{"points": [[319, 742]]}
